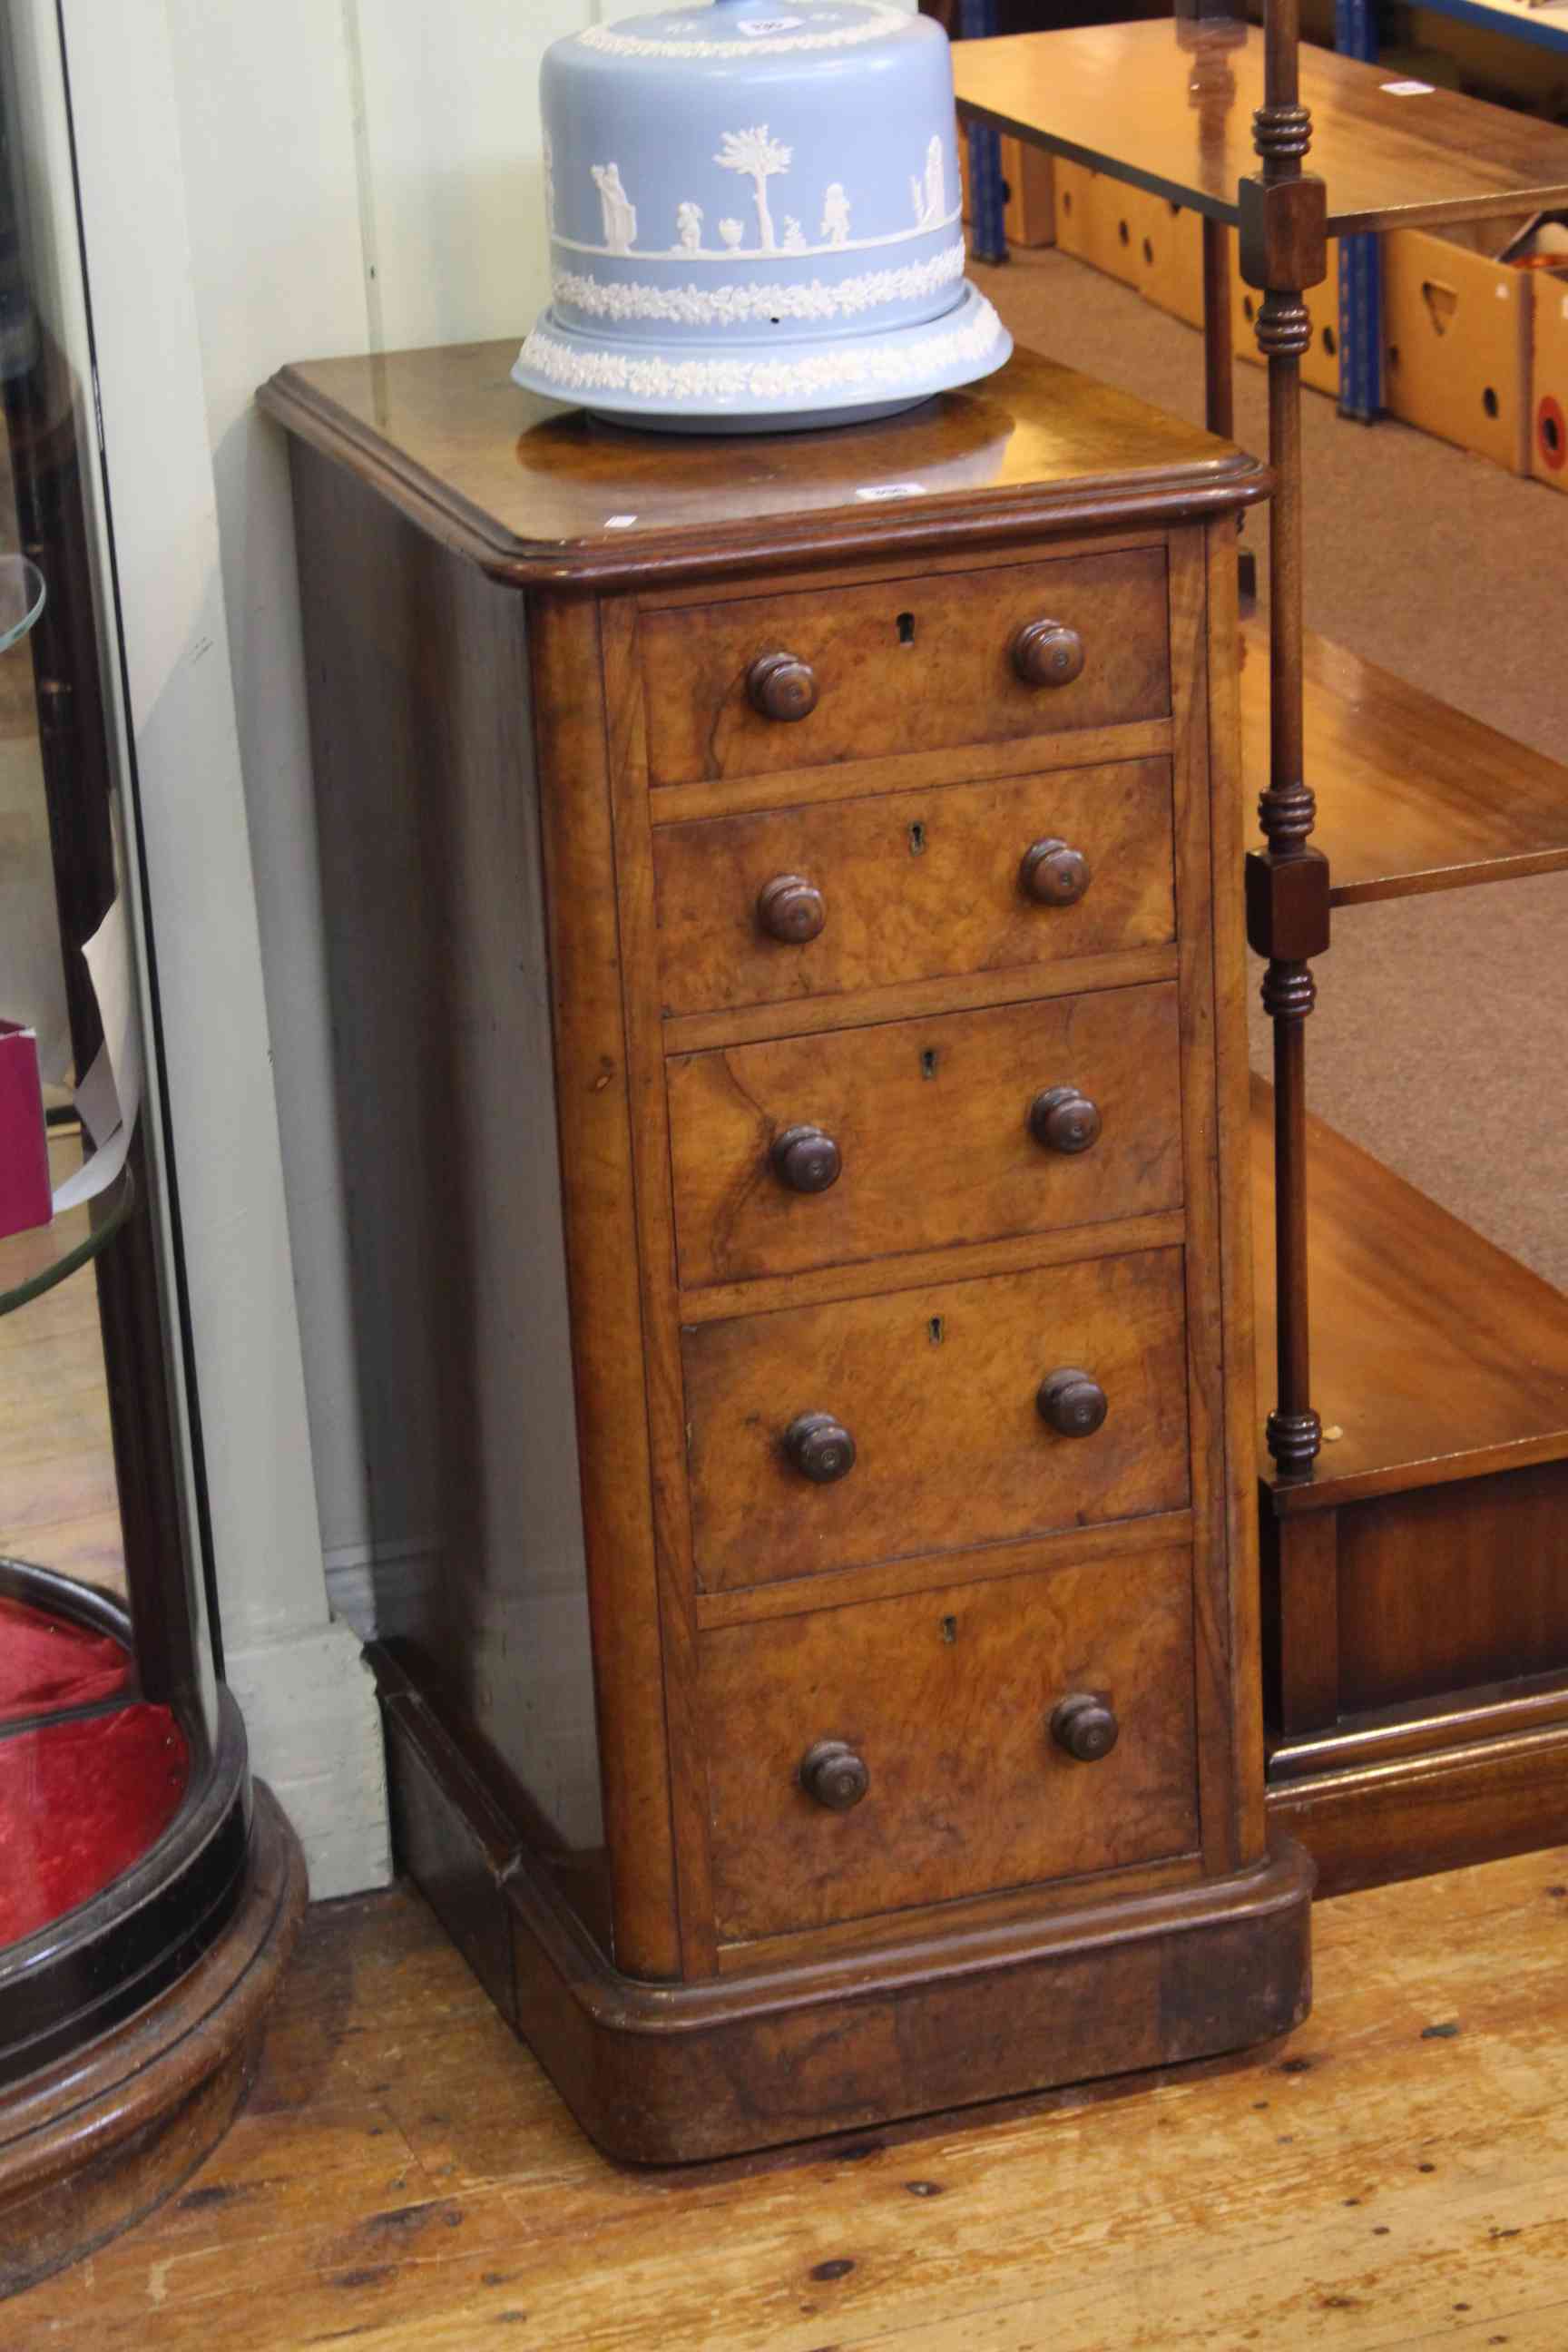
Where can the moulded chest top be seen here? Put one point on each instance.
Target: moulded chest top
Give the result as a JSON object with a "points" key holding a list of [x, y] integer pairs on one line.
{"points": [[538, 494], [1169, 106]]}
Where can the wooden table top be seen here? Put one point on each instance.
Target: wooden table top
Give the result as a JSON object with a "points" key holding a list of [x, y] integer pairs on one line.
{"points": [[540, 494], [1118, 98]]}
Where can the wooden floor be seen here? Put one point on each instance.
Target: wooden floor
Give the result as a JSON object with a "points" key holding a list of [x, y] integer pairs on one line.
{"points": [[58, 1503], [1396, 2174]]}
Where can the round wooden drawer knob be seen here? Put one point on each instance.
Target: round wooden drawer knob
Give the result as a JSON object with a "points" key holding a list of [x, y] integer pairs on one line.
{"points": [[1073, 1404], [792, 909], [832, 1773], [806, 1159], [1061, 1119], [782, 687], [1053, 874], [820, 1448], [1084, 1726], [1048, 653]]}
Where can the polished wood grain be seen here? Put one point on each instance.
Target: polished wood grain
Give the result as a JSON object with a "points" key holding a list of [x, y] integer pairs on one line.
{"points": [[949, 1096], [917, 885], [1438, 1357], [1018, 984], [1447, 1589], [528, 489], [1413, 795], [1082, 747], [956, 1261], [596, 1108], [750, 1604], [946, 1697], [938, 1388], [1234, 1611], [662, 1405], [1116, 96], [907, 664]]}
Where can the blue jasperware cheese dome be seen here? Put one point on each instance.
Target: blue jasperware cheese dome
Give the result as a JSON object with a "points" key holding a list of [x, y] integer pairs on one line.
{"points": [[753, 216]]}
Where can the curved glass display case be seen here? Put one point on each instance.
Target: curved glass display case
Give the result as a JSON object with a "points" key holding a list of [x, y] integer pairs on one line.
{"points": [[147, 1894]]}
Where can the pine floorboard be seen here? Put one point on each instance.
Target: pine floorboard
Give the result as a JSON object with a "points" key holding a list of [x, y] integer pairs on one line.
{"points": [[404, 2179]]}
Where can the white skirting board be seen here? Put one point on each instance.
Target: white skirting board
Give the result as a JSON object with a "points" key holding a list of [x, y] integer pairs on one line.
{"points": [[313, 1723]]}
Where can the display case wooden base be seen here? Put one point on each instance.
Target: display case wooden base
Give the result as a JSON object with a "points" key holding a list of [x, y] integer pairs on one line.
{"points": [[95, 2141], [786, 967], [1415, 1632]]}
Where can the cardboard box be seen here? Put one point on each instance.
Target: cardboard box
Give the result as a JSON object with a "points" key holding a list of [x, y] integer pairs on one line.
{"points": [[1171, 260], [1457, 340], [1029, 176], [25, 1193], [1028, 215], [1548, 385], [1321, 361], [1102, 221]]}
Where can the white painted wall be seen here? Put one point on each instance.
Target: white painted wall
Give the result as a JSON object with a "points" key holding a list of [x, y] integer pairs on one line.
{"points": [[270, 180], [358, 176], [306, 1697]]}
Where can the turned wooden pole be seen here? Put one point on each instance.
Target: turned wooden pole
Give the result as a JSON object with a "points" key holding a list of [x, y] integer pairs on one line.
{"points": [[1284, 250]]}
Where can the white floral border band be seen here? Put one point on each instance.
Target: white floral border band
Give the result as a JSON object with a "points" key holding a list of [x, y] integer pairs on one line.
{"points": [[605, 38], [886, 367], [738, 306]]}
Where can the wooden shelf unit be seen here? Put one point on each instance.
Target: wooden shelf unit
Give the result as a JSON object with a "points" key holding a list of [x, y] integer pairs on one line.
{"points": [[1414, 796]]}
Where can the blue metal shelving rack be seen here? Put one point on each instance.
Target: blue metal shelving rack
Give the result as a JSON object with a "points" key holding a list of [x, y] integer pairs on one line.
{"points": [[987, 232], [1360, 258]]}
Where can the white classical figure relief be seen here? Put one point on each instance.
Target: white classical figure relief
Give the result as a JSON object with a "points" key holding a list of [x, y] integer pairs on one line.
{"points": [[929, 193], [759, 159], [835, 215], [794, 235], [731, 232], [619, 212], [689, 228]]}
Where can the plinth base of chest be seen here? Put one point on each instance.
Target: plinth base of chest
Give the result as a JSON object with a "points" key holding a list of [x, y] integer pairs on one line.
{"points": [[907, 2023]]}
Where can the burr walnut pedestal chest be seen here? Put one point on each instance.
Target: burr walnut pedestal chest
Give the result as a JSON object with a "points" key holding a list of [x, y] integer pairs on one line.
{"points": [[783, 910]]}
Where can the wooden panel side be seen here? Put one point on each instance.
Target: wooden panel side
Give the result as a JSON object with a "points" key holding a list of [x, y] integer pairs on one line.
{"points": [[1230, 831], [595, 1113], [666, 1407], [1453, 1585], [1214, 1655], [428, 836]]}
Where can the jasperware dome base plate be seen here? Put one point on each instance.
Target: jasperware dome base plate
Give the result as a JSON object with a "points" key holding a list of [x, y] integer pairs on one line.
{"points": [[750, 388]]}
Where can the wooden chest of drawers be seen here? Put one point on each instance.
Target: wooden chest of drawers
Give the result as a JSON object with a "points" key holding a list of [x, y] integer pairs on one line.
{"points": [[782, 902]]}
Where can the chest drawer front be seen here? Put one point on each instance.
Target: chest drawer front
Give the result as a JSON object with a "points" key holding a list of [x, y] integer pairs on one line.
{"points": [[939, 1391], [945, 1702], [957, 1127], [916, 885], [905, 665]]}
